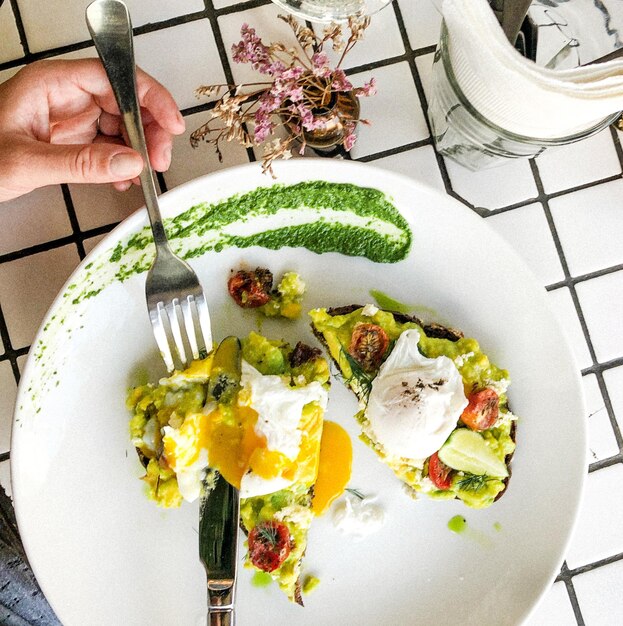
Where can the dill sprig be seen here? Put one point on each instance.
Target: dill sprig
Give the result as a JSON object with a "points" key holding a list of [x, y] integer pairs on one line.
{"points": [[268, 534], [363, 379], [473, 482], [355, 492]]}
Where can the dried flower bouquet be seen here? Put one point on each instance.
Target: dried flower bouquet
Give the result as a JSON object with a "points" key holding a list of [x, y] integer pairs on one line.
{"points": [[301, 88]]}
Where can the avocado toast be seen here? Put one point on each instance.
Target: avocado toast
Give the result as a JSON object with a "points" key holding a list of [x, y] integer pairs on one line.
{"points": [[266, 444], [432, 405]]}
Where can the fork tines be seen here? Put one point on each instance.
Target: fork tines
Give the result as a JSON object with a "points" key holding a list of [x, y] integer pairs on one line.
{"points": [[181, 340]]}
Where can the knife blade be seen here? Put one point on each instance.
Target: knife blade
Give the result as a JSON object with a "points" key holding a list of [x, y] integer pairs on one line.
{"points": [[220, 510]]}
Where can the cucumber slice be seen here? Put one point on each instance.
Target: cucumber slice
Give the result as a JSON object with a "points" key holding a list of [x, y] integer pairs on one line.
{"points": [[467, 451]]}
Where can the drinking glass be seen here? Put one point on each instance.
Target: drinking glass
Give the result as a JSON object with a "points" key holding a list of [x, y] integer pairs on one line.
{"points": [[331, 10]]}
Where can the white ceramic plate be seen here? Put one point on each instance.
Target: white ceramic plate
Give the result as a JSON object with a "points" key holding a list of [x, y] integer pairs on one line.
{"points": [[104, 554]]}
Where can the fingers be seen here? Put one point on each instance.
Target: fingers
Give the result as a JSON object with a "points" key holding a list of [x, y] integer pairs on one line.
{"points": [[26, 164], [89, 76], [159, 102]]}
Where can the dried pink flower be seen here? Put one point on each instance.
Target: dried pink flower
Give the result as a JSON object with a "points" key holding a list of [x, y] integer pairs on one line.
{"points": [[300, 83]]}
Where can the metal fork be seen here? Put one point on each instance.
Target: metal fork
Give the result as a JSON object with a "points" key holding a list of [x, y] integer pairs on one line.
{"points": [[173, 292]]}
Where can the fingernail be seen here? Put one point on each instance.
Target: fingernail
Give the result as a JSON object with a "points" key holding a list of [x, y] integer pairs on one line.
{"points": [[126, 165], [124, 185]]}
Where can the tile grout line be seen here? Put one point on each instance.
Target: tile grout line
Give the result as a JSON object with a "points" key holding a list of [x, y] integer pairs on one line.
{"points": [[9, 353], [17, 16], [566, 577], [76, 236]]}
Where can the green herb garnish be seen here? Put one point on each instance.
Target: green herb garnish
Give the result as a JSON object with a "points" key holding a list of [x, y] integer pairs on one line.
{"points": [[363, 379], [473, 482]]}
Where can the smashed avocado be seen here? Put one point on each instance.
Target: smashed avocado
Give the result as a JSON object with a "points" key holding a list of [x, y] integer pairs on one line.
{"points": [[285, 301], [477, 372]]}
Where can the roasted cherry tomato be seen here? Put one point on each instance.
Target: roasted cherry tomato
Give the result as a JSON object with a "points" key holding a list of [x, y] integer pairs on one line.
{"points": [[269, 545], [439, 472], [368, 345], [250, 289], [482, 409]]}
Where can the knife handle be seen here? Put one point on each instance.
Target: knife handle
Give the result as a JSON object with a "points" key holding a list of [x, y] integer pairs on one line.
{"points": [[221, 617]]}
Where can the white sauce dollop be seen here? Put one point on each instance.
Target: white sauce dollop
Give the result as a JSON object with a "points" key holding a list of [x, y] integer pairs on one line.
{"points": [[415, 402], [357, 517]]}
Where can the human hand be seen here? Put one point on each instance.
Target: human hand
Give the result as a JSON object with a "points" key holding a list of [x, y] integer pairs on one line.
{"points": [[60, 123]]}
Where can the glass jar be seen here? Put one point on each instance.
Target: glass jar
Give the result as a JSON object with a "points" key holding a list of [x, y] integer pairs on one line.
{"points": [[461, 133], [331, 10]]}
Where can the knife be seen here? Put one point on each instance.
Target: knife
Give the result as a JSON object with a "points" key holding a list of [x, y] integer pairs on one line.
{"points": [[220, 510]]}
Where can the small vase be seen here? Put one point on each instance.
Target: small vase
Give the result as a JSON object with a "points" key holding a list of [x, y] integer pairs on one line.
{"points": [[343, 108]]}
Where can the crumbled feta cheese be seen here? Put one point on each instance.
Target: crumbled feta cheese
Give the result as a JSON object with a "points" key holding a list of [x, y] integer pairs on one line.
{"points": [[370, 310], [463, 358], [499, 386]]}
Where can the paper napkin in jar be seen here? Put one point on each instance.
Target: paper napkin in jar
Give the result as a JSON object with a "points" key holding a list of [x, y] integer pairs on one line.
{"points": [[515, 93]]}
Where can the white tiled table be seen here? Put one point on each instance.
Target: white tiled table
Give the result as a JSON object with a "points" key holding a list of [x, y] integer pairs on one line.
{"points": [[562, 212]]}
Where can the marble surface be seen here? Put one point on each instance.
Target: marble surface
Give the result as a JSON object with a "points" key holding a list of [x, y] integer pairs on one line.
{"points": [[562, 212]]}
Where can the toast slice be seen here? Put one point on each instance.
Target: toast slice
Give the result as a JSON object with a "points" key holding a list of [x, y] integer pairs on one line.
{"points": [[183, 439], [469, 457]]}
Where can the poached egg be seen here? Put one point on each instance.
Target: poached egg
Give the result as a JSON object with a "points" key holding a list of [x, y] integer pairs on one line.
{"points": [[415, 402]]}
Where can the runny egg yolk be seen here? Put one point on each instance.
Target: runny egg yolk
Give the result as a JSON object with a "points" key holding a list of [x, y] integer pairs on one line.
{"points": [[234, 448], [334, 469]]}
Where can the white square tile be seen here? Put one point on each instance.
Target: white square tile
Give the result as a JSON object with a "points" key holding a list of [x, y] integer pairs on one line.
{"points": [[29, 285], [527, 230], [496, 187], [590, 223], [420, 164], [395, 111], [599, 595], [188, 162], [91, 242], [600, 299], [554, 609], [578, 163], [11, 46], [602, 443], [57, 23], [564, 309], [182, 58], [423, 22], [99, 205], [5, 477], [8, 392], [614, 384], [597, 533], [37, 217]]}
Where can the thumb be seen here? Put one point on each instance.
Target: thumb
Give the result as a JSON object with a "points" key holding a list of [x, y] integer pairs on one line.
{"points": [[36, 164]]}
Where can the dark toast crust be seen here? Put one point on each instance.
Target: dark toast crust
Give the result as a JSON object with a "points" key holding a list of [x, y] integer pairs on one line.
{"points": [[434, 330]]}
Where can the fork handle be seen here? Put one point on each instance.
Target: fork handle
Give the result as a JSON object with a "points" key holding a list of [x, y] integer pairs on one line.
{"points": [[111, 29]]}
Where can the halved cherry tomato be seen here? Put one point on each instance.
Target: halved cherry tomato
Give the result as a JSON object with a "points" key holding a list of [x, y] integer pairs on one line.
{"points": [[482, 409], [439, 472], [269, 545], [368, 345], [250, 289]]}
